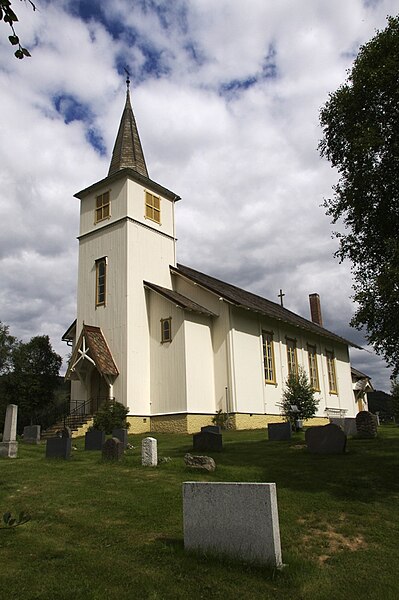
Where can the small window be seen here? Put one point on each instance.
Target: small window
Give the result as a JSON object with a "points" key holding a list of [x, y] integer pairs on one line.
{"points": [[153, 207], [101, 281], [332, 380], [103, 207], [166, 330], [313, 371], [292, 361], [268, 357]]}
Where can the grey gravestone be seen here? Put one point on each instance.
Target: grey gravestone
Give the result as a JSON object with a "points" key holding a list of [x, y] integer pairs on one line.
{"points": [[121, 434], [235, 519], [9, 444], [366, 425], [94, 439], [325, 439], [32, 434], [58, 447], [207, 441], [203, 463], [348, 424], [279, 431], [149, 452], [112, 449], [212, 428]]}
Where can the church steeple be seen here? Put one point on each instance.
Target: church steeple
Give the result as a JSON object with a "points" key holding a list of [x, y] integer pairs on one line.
{"points": [[128, 151]]}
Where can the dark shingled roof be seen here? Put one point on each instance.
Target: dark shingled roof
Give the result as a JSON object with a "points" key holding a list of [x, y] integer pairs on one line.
{"points": [[179, 299], [99, 351], [243, 299]]}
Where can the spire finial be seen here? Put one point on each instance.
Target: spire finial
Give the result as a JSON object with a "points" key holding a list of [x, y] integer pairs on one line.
{"points": [[127, 78]]}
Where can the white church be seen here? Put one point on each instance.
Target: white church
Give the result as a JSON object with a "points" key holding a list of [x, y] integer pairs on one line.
{"points": [[173, 344]]}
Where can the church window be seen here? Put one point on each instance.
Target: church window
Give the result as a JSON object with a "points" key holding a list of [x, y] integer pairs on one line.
{"points": [[313, 371], [332, 379], [292, 361], [268, 357], [101, 281], [166, 330], [103, 207], [153, 207]]}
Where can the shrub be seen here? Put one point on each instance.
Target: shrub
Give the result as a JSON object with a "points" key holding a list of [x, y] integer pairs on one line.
{"points": [[395, 399], [111, 415], [222, 419], [298, 393]]}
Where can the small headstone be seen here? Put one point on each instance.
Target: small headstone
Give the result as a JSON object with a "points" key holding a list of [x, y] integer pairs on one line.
{"points": [[94, 439], [59, 447], [325, 439], [207, 441], [348, 424], [121, 434], [32, 434], [212, 428], [203, 463], [234, 519], [149, 452], [278, 432], [366, 424], [9, 444], [112, 449]]}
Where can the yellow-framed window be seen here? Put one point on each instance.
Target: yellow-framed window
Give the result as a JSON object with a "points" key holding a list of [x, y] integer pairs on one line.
{"points": [[101, 281], [166, 330], [332, 378], [152, 207], [313, 370], [292, 361], [268, 357], [103, 207]]}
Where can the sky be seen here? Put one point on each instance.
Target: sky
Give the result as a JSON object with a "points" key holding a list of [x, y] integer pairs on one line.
{"points": [[226, 96]]}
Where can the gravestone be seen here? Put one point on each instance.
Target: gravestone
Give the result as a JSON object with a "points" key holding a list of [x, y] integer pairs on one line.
{"points": [[121, 434], [207, 441], [325, 439], [235, 519], [65, 432], [348, 424], [366, 424], [112, 449], [32, 434], [149, 452], [9, 445], [59, 447], [203, 463], [212, 428], [94, 439], [279, 431]]}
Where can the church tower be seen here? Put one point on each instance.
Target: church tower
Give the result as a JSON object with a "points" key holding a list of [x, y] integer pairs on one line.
{"points": [[126, 236]]}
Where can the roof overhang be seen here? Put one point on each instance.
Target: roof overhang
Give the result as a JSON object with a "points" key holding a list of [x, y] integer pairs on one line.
{"points": [[91, 351]]}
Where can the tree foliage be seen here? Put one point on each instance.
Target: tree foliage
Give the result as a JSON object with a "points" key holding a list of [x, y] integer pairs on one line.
{"points": [[300, 394], [7, 343], [360, 139], [112, 415], [395, 399], [8, 15]]}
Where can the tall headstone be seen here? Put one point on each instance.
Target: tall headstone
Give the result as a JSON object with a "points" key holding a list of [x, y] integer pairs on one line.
{"points": [[9, 445], [32, 434], [149, 452], [235, 519]]}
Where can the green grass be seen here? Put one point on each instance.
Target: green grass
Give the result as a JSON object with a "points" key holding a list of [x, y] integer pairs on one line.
{"points": [[105, 531]]}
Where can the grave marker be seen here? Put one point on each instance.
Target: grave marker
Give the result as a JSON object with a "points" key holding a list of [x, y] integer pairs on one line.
{"points": [[149, 452], [9, 445]]}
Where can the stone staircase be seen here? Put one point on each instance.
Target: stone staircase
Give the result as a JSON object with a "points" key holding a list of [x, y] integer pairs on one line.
{"points": [[78, 426]]}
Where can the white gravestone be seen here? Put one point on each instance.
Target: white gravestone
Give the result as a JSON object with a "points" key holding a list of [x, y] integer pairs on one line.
{"points": [[149, 452], [235, 519], [9, 445]]}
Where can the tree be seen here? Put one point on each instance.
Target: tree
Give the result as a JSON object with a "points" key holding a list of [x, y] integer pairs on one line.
{"points": [[300, 394], [395, 399], [8, 15], [360, 139], [7, 344]]}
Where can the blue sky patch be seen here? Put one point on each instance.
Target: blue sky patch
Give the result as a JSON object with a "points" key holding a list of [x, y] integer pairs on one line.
{"points": [[71, 109]]}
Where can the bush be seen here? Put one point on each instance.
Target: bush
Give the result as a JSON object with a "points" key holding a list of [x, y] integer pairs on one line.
{"points": [[298, 393], [111, 415], [222, 419], [395, 399]]}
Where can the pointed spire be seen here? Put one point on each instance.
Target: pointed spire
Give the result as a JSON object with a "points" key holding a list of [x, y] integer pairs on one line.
{"points": [[128, 151]]}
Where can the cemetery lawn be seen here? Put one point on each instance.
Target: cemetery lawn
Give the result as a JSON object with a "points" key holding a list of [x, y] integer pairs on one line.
{"points": [[114, 530]]}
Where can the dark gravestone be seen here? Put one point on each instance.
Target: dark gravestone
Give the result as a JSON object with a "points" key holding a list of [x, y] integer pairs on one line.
{"points": [[121, 434], [112, 449], [94, 439], [366, 424], [32, 434], [278, 432], [212, 428], [58, 447], [326, 439], [207, 441]]}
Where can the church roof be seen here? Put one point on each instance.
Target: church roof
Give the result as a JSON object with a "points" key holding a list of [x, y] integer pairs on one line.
{"points": [[249, 301], [128, 152], [93, 346], [179, 299]]}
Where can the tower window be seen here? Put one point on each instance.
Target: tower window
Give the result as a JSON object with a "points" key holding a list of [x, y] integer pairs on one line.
{"points": [[313, 371], [332, 379], [103, 207], [291, 356], [153, 207], [268, 357], [101, 281], [166, 330]]}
